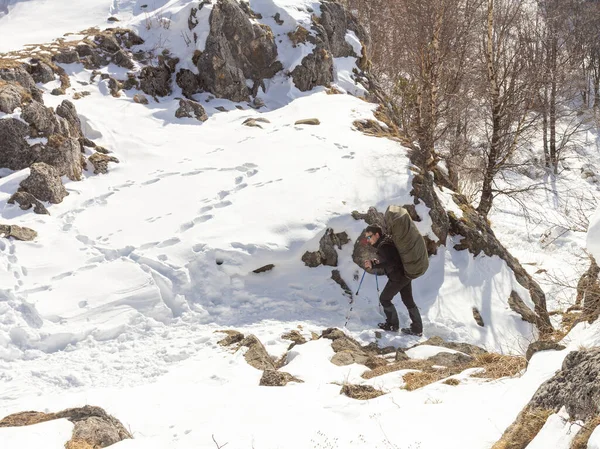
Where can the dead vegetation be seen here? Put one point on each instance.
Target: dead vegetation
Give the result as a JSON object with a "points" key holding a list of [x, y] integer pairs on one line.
{"points": [[361, 392], [494, 366], [584, 434], [524, 429], [299, 35]]}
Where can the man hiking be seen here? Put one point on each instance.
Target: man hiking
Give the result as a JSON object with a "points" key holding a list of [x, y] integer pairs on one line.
{"points": [[398, 282]]}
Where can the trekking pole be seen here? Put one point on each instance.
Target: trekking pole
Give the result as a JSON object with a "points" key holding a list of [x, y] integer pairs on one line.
{"points": [[377, 282], [361, 281]]}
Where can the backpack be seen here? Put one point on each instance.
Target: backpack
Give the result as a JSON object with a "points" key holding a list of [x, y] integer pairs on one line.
{"points": [[408, 240]]}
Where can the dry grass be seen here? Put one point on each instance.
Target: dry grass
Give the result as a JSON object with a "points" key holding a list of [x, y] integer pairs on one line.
{"points": [[497, 365], [524, 429], [583, 436], [77, 443], [299, 35], [419, 379], [362, 392], [25, 419], [453, 382]]}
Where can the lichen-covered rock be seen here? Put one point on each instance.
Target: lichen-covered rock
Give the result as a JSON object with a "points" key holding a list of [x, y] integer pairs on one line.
{"points": [[462, 347], [362, 392], [41, 72], [232, 337], [66, 56], [67, 111], [273, 378], [542, 345], [141, 99], [316, 69], [100, 162], [156, 81], [21, 75], [26, 201], [236, 50], [256, 355], [41, 119], [64, 154], [121, 59], [16, 152], [450, 359], [44, 183], [191, 109], [12, 96], [327, 254]]}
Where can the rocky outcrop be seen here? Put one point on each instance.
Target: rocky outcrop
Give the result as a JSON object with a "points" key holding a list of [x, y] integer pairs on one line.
{"points": [[21, 76], [256, 355], [191, 109], [40, 71], [12, 96], [542, 345], [100, 162], [316, 69], [461, 347], [156, 81], [64, 154], [93, 427], [26, 201], [236, 50], [16, 152], [67, 111], [327, 254], [41, 119], [44, 183], [188, 81]]}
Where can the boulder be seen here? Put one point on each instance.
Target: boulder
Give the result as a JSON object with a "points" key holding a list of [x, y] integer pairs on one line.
{"points": [[18, 233], [264, 268], [41, 72], [44, 183], [236, 50], [67, 56], [100, 162], [16, 152], [308, 121], [21, 75], [67, 111], [141, 99], [232, 337], [450, 359], [462, 347], [26, 201], [191, 109], [316, 69], [296, 337], [362, 392], [156, 81], [122, 59], [576, 386]]}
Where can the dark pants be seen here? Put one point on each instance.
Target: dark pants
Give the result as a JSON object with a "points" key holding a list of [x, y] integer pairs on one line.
{"points": [[392, 288]]}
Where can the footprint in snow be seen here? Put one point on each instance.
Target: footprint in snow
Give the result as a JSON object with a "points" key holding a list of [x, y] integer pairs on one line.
{"points": [[151, 181], [169, 242]]}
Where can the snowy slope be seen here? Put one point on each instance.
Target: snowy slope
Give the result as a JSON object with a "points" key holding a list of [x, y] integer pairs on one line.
{"points": [[117, 301]]}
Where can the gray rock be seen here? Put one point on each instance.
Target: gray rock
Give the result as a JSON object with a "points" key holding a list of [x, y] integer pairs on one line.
{"points": [[100, 162], [337, 277], [362, 392], [316, 69], [273, 378], [26, 201], [188, 81], [296, 337], [41, 72], [11, 96], [335, 26], [191, 109], [264, 268], [232, 337], [256, 355], [44, 183], [64, 154], [17, 232], [477, 317], [67, 111], [347, 350], [84, 50], [122, 59], [448, 359], [156, 81], [542, 345], [576, 386], [236, 50], [108, 42], [16, 152], [401, 355], [66, 57], [327, 254], [42, 119], [308, 121], [462, 347], [344, 358]]}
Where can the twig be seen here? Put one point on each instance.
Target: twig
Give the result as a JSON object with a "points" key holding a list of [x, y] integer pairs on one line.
{"points": [[218, 446]]}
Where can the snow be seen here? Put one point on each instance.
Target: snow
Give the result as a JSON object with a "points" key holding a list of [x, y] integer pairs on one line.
{"points": [[119, 300], [593, 236], [594, 441], [557, 432], [49, 435]]}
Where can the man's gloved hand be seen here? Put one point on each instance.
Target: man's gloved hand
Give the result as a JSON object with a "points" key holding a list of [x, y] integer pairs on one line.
{"points": [[368, 264]]}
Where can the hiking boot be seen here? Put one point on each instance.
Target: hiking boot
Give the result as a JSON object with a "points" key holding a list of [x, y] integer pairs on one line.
{"points": [[388, 327], [409, 331]]}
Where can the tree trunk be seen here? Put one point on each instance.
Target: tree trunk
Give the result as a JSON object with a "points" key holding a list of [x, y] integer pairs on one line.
{"points": [[553, 87]]}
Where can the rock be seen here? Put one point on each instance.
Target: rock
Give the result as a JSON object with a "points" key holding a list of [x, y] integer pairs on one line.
{"points": [[42, 119], [67, 111], [25, 418], [337, 277], [253, 122], [362, 392], [236, 50], [375, 362], [16, 152], [12, 96], [347, 350], [299, 36], [401, 355], [26, 201], [333, 333], [232, 337], [264, 269], [127, 38], [100, 162], [57, 92], [344, 358], [576, 386], [316, 69], [19, 233], [139, 98], [256, 355], [278, 19], [188, 81], [542, 345], [477, 317], [44, 183], [462, 347], [108, 42], [450, 359], [334, 21], [273, 378], [64, 154], [156, 81], [327, 255], [41, 72], [131, 82], [308, 121], [191, 109], [114, 87], [68, 56], [121, 59]]}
